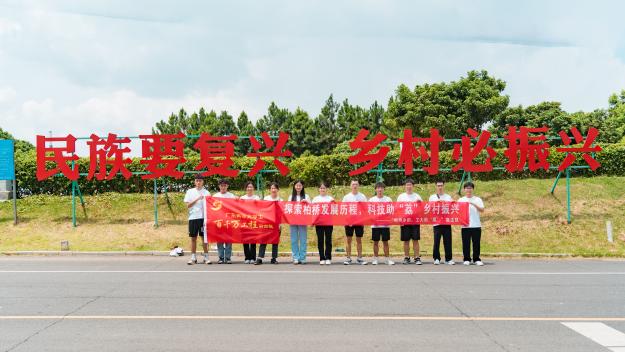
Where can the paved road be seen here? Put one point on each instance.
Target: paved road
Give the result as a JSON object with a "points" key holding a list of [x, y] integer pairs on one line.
{"points": [[160, 304]]}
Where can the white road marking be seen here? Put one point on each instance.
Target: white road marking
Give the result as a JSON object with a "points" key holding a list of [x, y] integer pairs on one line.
{"points": [[601, 334], [300, 317], [312, 272]]}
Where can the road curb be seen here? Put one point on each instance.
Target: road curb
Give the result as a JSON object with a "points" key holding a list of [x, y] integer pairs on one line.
{"points": [[281, 254]]}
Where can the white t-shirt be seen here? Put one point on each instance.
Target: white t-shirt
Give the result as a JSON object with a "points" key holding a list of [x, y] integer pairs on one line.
{"points": [[358, 197], [253, 197], [474, 214], [224, 195], [298, 198], [412, 197], [323, 199], [197, 210], [384, 199], [268, 197], [445, 198]]}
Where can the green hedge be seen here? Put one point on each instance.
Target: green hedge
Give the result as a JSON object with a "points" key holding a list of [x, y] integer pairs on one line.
{"points": [[333, 168]]}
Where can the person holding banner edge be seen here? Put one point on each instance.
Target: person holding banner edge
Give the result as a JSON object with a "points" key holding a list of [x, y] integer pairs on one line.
{"points": [[324, 232], [224, 250], [443, 231], [472, 233], [273, 196], [298, 232], [249, 249], [194, 199]]}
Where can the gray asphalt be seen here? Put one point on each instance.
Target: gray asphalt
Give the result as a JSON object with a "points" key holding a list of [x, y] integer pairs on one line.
{"points": [[161, 304]]}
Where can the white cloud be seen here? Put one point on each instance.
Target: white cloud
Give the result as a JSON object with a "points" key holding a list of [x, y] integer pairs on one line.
{"points": [[7, 94], [8, 26], [94, 67]]}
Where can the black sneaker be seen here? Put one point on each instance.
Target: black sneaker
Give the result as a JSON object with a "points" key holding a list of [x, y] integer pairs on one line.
{"points": [[406, 260], [221, 261], [274, 261], [258, 261]]}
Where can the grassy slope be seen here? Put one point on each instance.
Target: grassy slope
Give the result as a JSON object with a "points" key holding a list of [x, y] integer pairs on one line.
{"points": [[521, 216]]}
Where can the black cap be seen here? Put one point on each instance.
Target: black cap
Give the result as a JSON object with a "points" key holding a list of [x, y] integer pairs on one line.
{"points": [[199, 177], [224, 181]]}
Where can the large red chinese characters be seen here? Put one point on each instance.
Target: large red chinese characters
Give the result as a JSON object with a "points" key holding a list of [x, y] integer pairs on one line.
{"points": [[164, 155]]}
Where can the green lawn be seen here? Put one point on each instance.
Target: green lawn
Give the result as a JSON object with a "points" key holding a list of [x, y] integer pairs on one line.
{"points": [[521, 217]]}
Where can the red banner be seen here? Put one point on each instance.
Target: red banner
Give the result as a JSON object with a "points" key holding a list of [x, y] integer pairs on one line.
{"points": [[241, 221], [258, 221], [374, 213]]}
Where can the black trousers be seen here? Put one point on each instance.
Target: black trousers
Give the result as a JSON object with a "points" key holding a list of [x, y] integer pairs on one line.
{"points": [[471, 235], [445, 232], [250, 251], [263, 247], [324, 242]]}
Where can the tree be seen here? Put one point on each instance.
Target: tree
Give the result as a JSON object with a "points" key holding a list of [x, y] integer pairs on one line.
{"points": [[452, 108], [20, 145], [246, 129], [302, 133], [615, 122], [275, 120], [548, 114], [326, 129]]}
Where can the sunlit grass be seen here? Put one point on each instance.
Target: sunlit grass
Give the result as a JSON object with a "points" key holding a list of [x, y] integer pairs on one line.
{"points": [[521, 217]]}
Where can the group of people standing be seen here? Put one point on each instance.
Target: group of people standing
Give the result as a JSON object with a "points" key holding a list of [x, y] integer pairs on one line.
{"points": [[471, 233]]}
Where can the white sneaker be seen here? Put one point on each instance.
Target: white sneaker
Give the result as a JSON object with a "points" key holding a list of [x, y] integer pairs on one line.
{"points": [[466, 262], [390, 262], [375, 261], [347, 261], [192, 261], [361, 261], [479, 263], [436, 262], [328, 262], [417, 261], [295, 261], [451, 262], [322, 262], [247, 261]]}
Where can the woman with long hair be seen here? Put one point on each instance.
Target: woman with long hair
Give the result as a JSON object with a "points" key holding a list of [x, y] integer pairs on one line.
{"points": [[298, 232], [324, 232]]}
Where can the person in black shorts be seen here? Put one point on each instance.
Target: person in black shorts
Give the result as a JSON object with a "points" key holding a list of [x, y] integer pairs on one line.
{"points": [[380, 232], [410, 232], [353, 197], [194, 199]]}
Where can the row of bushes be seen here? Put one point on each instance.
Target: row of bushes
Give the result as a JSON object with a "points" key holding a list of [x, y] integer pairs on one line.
{"points": [[333, 168]]}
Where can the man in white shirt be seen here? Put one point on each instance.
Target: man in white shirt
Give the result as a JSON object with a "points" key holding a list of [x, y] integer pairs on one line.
{"points": [[224, 249], [380, 232], [443, 231], [194, 199], [359, 230], [472, 233], [413, 231]]}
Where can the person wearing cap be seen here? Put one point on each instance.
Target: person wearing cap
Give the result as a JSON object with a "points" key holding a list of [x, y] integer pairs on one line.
{"points": [[413, 231], [194, 199], [224, 250], [472, 233]]}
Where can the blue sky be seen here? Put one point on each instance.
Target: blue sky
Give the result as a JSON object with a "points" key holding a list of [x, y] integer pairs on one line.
{"points": [[120, 66]]}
